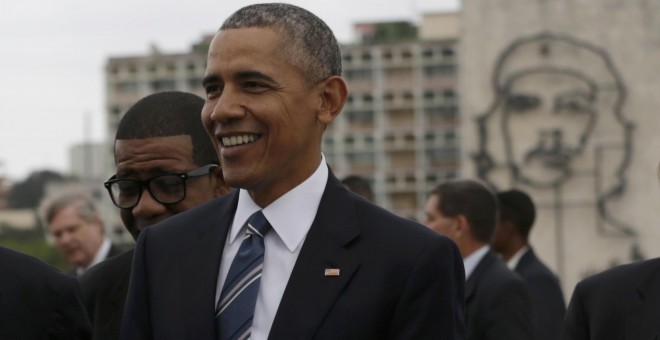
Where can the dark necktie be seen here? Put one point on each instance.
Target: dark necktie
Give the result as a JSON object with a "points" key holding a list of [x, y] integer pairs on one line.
{"points": [[238, 298]]}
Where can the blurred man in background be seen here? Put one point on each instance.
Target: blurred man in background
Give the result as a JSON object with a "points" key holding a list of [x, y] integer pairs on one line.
{"points": [[496, 300], [511, 241], [72, 220]]}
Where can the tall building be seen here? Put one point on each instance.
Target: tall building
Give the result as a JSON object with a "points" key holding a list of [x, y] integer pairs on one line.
{"points": [[399, 127], [128, 79]]}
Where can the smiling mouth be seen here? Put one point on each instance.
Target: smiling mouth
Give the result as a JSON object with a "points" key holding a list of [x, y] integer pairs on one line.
{"points": [[228, 142]]}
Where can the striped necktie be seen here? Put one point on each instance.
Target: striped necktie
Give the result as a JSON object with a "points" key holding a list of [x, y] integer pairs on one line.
{"points": [[238, 298]]}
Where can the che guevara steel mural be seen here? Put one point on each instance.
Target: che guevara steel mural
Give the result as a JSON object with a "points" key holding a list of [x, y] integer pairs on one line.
{"points": [[557, 114]]}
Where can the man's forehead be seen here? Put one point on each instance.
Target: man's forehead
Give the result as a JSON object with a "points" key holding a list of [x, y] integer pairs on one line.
{"points": [[153, 154]]}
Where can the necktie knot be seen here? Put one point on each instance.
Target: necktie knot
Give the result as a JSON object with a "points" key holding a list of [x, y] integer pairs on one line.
{"points": [[257, 224]]}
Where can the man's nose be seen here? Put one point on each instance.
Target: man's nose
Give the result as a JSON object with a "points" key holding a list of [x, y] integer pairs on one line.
{"points": [[228, 106], [147, 206]]}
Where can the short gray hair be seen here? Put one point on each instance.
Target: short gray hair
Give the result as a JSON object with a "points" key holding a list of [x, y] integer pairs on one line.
{"points": [[55, 203], [312, 47]]}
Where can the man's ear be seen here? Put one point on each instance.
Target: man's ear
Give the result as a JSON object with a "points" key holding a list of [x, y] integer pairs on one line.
{"points": [[333, 92], [221, 187], [461, 227]]}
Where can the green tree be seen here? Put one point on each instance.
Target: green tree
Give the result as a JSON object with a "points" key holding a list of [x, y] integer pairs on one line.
{"points": [[29, 192]]}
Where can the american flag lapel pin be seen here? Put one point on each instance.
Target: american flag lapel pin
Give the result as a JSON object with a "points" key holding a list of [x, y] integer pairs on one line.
{"points": [[332, 272]]}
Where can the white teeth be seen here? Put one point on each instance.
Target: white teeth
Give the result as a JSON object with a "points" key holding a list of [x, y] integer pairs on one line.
{"points": [[237, 140]]}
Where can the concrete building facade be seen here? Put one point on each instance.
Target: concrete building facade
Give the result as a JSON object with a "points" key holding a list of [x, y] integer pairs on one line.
{"points": [[399, 127]]}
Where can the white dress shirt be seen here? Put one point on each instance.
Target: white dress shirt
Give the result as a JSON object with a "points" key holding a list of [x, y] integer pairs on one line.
{"points": [[471, 262], [100, 255], [291, 217]]}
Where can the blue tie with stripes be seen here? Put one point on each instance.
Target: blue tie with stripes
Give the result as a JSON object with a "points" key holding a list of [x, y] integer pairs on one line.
{"points": [[238, 298]]}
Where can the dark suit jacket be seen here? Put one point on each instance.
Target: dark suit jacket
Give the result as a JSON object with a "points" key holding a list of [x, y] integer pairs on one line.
{"points": [[617, 304], [546, 296], [399, 280], [38, 302], [104, 288], [497, 303], [114, 251]]}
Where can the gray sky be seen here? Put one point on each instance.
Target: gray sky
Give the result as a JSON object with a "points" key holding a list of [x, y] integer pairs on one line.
{"points": [[52, 55]]}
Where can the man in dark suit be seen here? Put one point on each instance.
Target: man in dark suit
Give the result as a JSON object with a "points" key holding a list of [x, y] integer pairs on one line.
{"points": [[621, 303], [161, 134], [511, 241], [327, 263], [73, 221], [496, 299], [38, 302]]}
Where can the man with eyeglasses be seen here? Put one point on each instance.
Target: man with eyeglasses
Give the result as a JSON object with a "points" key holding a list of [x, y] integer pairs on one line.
{"points": [[165, 165]]}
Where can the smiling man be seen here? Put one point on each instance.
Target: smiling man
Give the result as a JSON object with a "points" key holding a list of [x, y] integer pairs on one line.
{"points": [[166, 164], [313, 260]]}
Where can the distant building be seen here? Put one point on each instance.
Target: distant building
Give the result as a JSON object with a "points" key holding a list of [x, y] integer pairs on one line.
{"points": [[399, 126]]}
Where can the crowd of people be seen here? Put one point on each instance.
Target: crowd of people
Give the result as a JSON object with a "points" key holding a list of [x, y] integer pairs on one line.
{"points": [[243, 231]]}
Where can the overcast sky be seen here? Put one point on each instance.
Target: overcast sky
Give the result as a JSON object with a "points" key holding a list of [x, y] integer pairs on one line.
{"points": [[52, 55]]}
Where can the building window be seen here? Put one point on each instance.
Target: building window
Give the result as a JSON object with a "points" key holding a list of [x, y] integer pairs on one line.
{"points": [[447, 52], [163, 85], [435, 70]]}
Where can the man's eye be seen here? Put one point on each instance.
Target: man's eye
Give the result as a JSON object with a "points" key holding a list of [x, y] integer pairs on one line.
{"points": [[212, 90], [254, 86], [522, 102]]}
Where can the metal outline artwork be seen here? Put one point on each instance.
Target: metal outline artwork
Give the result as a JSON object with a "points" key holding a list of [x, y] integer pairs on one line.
{"points": [[485, 163]]}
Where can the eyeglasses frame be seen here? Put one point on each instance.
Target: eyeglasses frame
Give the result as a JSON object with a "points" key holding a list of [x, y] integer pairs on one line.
{"points": [[201, 171]]}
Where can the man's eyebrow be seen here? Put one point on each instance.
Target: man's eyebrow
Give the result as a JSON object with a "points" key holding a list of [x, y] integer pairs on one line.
{"points": [[254, 75], [212, 78]]}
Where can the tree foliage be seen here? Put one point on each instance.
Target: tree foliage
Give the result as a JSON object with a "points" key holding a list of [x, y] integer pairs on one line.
{"points": [[29, 192]]}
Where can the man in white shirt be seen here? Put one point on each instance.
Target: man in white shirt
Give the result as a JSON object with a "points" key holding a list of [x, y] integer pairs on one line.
{"points": [[73, 222], [320, 262], [496, 300]]}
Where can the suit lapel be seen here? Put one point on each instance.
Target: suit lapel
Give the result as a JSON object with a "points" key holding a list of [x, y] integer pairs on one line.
{"points": [[201, 262], [310, 294], [471, 284], [643, 317]]}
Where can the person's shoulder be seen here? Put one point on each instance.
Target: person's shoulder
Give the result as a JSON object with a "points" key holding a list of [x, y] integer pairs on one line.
{"points": [[531, 267], [618, 277], [496, 275], [20, 265], [203, 215], [108, 269], [375, 219]]}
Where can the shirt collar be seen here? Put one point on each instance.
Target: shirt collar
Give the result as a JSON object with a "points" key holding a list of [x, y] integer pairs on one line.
{"points": [[100, 255], [472, 260], [292, 214], [515, 259]]}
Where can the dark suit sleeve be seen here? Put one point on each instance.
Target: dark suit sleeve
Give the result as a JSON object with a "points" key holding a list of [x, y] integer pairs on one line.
{"points": [[509, 313], [136, 323], [545, 293], [431, 305], [575, 323], [68, 320]]}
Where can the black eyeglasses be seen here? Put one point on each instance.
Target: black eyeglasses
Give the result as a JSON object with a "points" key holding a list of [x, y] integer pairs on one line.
{"points": [[166, 189]]}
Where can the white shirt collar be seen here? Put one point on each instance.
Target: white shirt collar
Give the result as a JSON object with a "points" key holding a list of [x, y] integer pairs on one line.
{"points": [[292, 214], [472, 260], [515, 259], [100, 255]]}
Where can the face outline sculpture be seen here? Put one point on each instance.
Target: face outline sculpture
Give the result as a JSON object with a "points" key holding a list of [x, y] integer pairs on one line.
{"points": [[581, 94], [558, 120]]}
